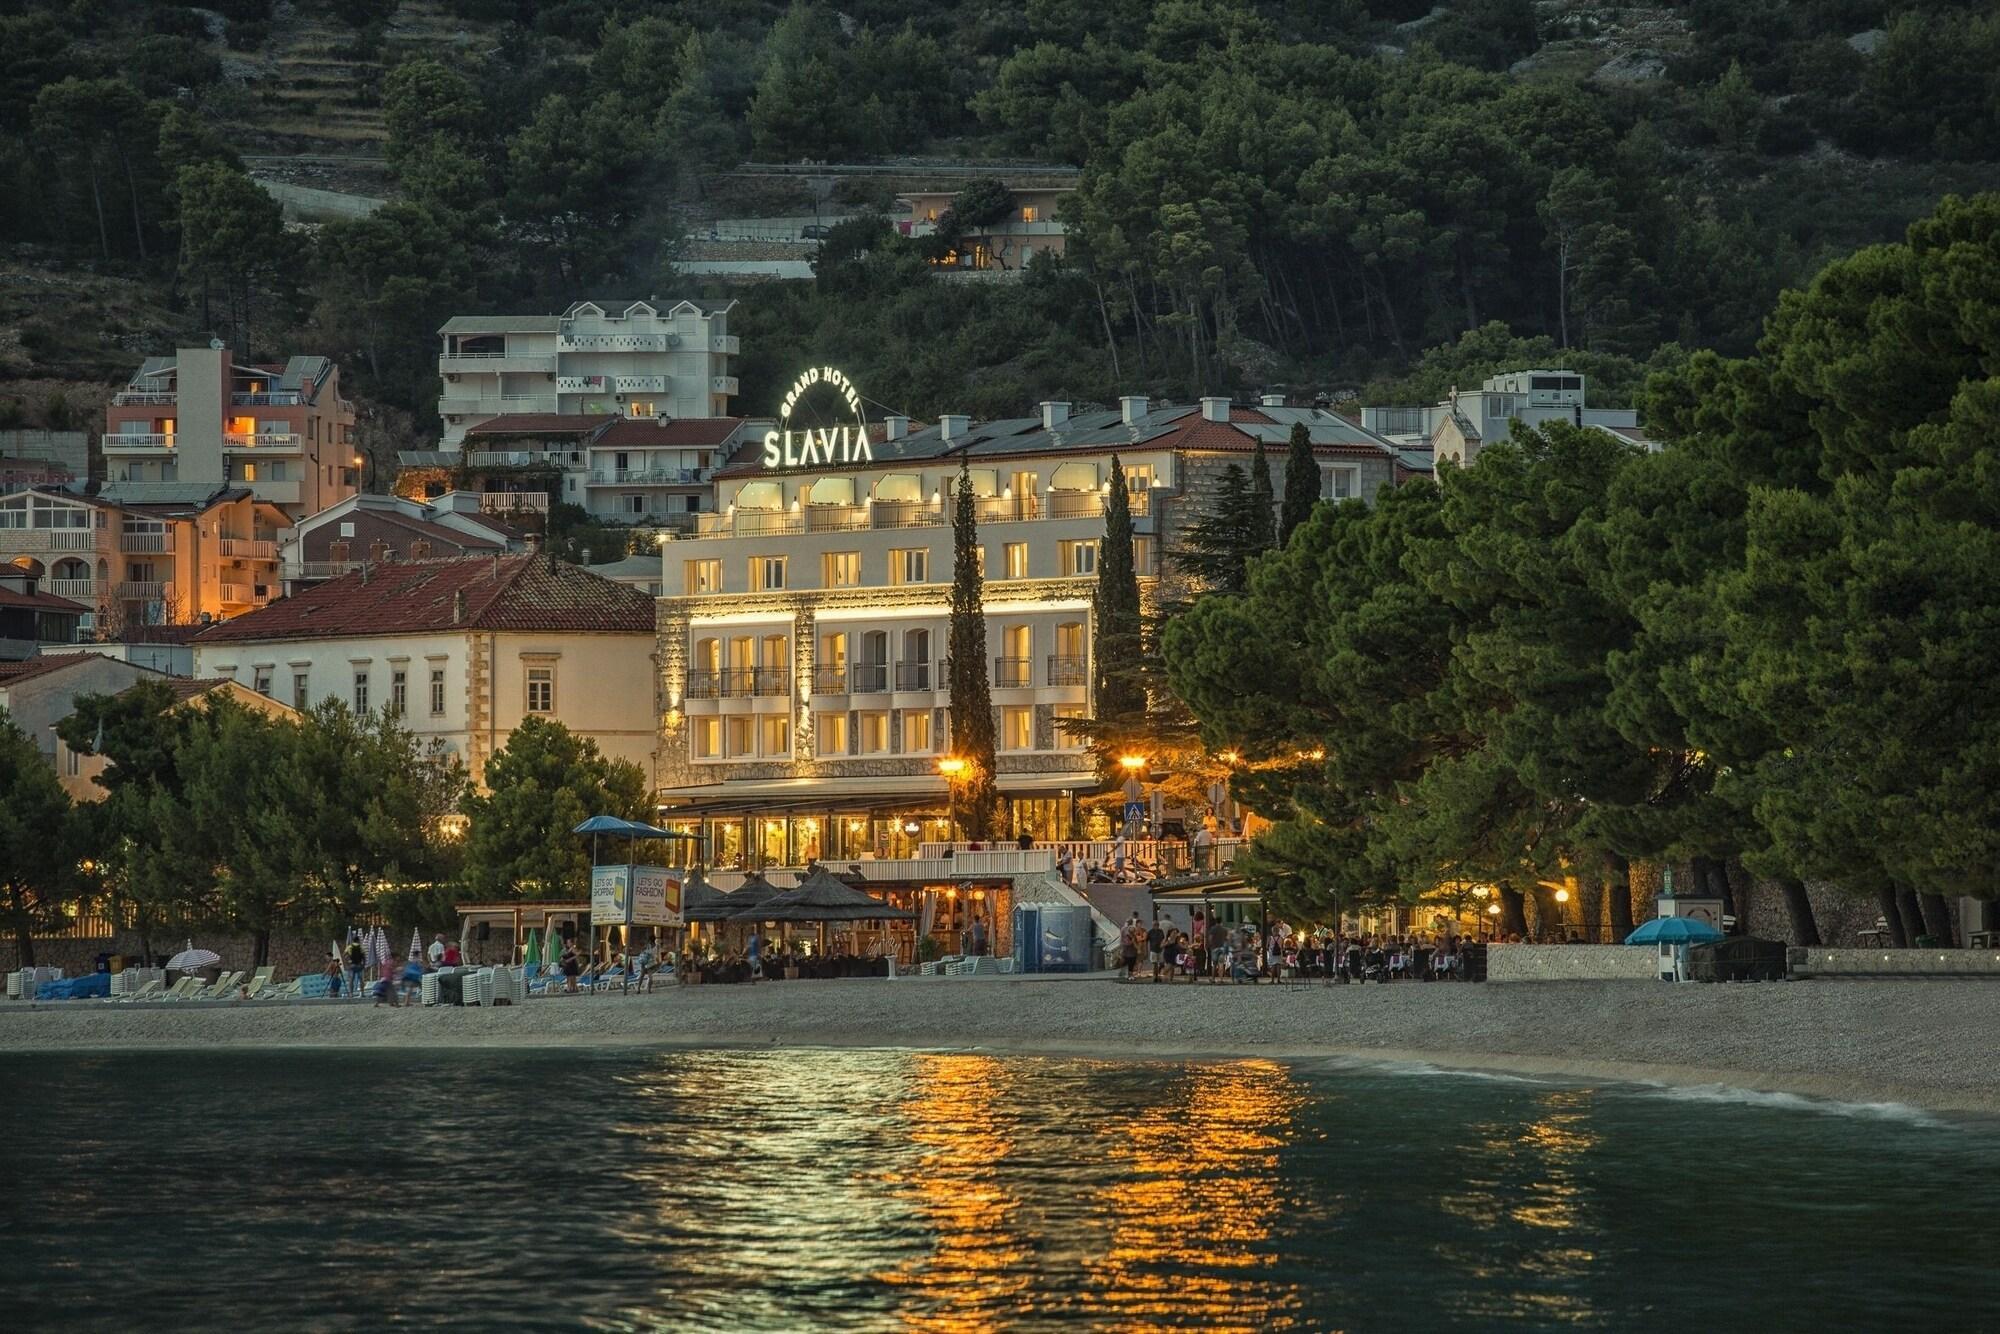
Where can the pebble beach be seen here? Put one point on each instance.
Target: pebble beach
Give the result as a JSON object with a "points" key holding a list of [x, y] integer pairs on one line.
{"points": [[1930, 1044]]}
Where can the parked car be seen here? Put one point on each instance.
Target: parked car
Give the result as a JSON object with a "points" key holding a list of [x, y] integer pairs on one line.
{"points": [[815, 231]]}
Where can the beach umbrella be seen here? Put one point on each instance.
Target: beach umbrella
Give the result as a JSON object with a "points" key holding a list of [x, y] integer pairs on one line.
{"points": [[1674, 931], [416, 944], [192, 960], [532, 956]]}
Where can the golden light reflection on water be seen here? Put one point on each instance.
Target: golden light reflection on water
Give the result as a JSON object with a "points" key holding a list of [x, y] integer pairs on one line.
{"points": [[1200, 1191]]}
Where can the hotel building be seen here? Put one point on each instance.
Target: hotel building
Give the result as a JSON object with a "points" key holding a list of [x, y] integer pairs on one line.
{"points": [[622, 358], [284, 433], [803, 626]]}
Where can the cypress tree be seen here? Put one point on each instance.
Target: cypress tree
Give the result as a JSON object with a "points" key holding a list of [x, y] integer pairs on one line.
{"points": [[1301, 482], [971, 689], [1262, 533], [1120, 699], [1216, 548]]}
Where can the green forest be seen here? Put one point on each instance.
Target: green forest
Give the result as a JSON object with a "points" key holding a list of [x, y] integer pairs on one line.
{"points": [[1362, 195]]}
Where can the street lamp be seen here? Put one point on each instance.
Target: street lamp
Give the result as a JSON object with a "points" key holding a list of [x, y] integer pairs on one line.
{"points": [[951, 767], [1562, 896], [1132, 763]]}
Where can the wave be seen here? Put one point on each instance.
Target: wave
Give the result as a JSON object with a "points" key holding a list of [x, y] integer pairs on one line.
{"points": [[1725, 1094], [1423, 1069]]}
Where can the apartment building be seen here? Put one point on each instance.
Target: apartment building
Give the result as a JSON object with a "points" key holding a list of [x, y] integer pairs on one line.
{"points": [[804, 627], [620, 357], [460, 650], [147, 553], [1467, 420], [201, 417], [30, 618], [1029, 229], [365, 527]]}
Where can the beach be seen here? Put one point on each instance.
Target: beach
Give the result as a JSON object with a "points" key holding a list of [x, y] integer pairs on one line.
{"points": [[1929, 1044]]}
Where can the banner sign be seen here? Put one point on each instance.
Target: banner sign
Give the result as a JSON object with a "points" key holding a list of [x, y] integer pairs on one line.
{"points": [[634, 896]]}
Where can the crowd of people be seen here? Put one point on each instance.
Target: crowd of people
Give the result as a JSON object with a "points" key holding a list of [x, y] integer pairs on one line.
{"points": [[1212, 950]]}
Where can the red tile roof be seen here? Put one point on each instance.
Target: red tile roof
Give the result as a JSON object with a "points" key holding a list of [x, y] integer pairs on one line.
{"points": [[504, 593], [685, 432], [539, 423], [10, 672], [185, 688], [43, 601]]}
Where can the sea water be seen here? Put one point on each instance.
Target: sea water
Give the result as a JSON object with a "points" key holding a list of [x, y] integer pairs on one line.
{"points": [[880, 1190]]}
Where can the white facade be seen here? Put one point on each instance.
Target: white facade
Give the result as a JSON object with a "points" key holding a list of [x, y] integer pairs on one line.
{"points": [[631, 358], [465, 691], [1468, 420]]}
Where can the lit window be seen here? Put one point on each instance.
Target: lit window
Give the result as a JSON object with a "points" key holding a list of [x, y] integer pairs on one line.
{"points": [[361, 692], [541, 690], [704, 576], [1029, 213], [1069, 740], [1017, 729], [874, 732], [437, 691], [1017, 560], [1079, 557], [741, 737], [910, 566], [917, 732], [777, 735], [841, 569], [399, 692], [1142, 555], [707, 738], [766, 573], [830, 733]]}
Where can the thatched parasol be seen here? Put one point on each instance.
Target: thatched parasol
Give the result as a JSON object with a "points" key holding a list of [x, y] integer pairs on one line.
{"points": [[821, 897], [703, 902]]}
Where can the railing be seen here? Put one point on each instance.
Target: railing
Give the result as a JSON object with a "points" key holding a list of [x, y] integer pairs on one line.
{"points": [[722, 384], [143, 590], [510, 502], [744, 682], [483, 362], [913, 676], [147, 544], [139, 440], [260, 440], [869, 678], [639, 384], [14, 540], [1144, 857], [704, 683], [491, 406], [835, 518], [1013, 672], [71, 588], [830, 680], [1067, 671], [912, 514], [649, 476], [501, 458], [727, 344], [132, 398], [279, 399], [240, 548], [612, 342], [236, 593], [305, 570]]}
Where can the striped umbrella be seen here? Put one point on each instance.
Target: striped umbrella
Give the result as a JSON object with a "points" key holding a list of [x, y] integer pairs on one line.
{"points": [[416, 945], [192, 960]]}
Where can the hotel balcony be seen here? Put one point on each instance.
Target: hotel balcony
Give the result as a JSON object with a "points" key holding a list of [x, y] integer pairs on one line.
{"points": [[119, 442], [727, 345], [914, 676], [495, 405], [649, 477], [16, 541], [1068, 671], [144, 590], [1013, 673], [283, 398], [265, 440], [241, 548], [830, 680], [868, 678], [494, 363], [722, 384], [1057, 505], [741, 683], [146, 544], [77, 590], [656, 342], [241, 595], [514, 502]]}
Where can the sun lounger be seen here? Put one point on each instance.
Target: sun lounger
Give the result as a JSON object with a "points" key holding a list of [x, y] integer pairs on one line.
{"points": [[259, 983], [224, 988], [184, 989], [151, 990]]}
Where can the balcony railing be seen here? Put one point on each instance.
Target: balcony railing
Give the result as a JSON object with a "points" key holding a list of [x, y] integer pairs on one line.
{"points": [[1013, 672], [612, 342], [704, 683], [726, 344], [147, 544], [133, 398], [491, 406], [17, 540], [893, 514], [138, 440], [143, 590], [309, 570], [835, 518], [639, 384], [649, 476], [81, 590], [241, 548], [237, 594], [502, 458], [869, 678], [1068, 671], [830, 680], [511, 502], [282, 398], [913, 676], [722, 384], [260, 440], [744, 682]]}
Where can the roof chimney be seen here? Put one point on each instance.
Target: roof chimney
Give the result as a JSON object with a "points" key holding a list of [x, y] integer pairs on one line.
{"points": [[952, 425], [458, 606], [1215, 409], [1054, 415], [1271, 400], [1132, 407], [896, 428]]}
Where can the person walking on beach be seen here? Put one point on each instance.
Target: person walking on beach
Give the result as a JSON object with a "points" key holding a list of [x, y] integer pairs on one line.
{"points": [[1156, 941], [357, 960]]}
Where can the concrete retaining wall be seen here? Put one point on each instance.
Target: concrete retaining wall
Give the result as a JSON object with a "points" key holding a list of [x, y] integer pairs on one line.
{"points": [[290, 954], [1858, 962], [1570, 963]]}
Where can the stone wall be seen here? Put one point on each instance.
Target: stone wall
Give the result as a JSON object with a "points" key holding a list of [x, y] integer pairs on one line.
{"points": [[1846, 962], [290, 954], [1570, 963]]}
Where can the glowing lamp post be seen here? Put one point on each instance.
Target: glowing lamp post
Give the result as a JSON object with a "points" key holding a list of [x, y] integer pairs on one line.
{"points": [[951, 767]]}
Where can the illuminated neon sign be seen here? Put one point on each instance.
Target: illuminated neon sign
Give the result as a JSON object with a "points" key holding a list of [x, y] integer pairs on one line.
{"points": [[786, 448]]}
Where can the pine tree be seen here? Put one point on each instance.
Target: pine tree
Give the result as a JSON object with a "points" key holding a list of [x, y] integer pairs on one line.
{"points": [[1301, 482], [1216, 548], [1120, 698], [1262, 533], [971, 690]]}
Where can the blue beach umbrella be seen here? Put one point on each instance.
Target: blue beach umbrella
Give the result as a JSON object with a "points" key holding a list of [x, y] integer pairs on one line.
{"points": [[1674, 931]]}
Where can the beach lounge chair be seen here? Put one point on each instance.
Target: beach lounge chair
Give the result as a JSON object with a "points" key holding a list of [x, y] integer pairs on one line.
{"points": [[184, 989], [259, 982], [224, 988], [150, 991]]}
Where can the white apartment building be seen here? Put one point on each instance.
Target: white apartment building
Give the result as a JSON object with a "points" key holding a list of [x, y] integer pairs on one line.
{"points": [[1467, 420], [804, 623], [461, 650], [624, 357]]}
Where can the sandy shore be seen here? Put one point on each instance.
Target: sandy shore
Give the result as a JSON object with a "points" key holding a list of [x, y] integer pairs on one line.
{"points": [[1930, 1044]]}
